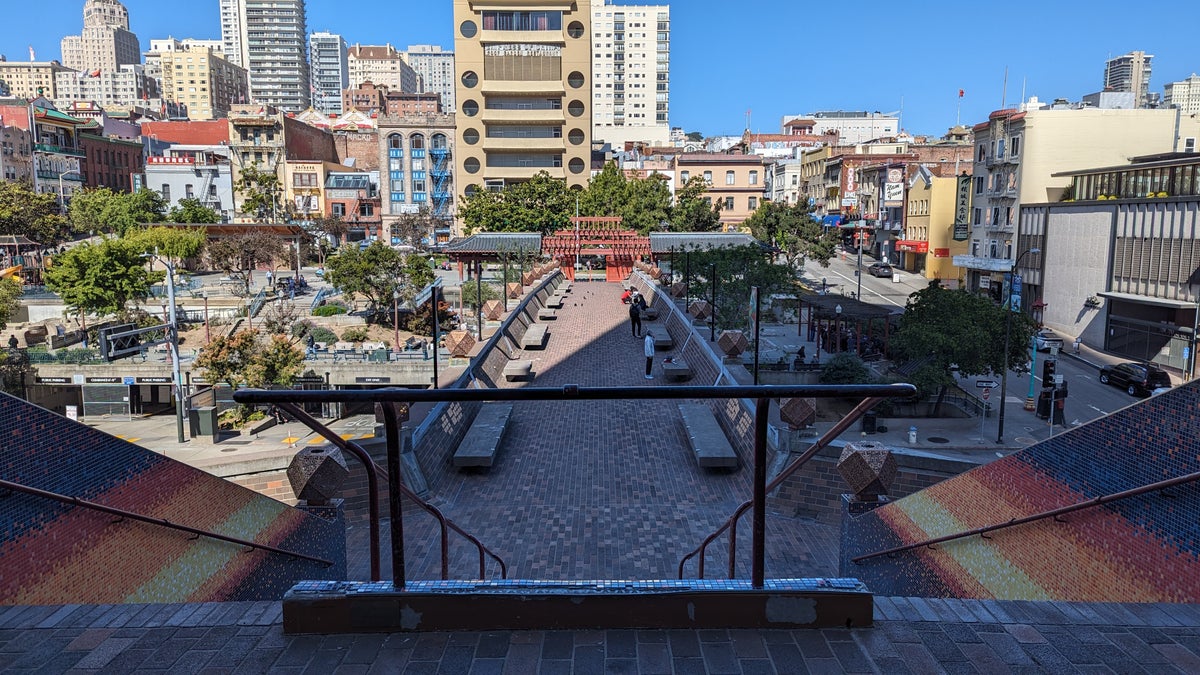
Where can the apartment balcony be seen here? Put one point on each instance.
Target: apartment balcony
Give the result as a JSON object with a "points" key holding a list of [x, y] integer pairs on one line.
{"points": [[1002, 160], [522, 144], [523, 87], [58, 150], [494, 115], [521, 173]]}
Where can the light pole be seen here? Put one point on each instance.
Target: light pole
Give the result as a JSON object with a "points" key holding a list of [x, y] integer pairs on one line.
{"points": [[62, 195], [1007, 304], [836, 337], [396, 320], [173, 337], [207, 334]]}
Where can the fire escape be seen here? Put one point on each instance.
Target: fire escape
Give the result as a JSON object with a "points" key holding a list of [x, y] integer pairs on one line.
{"points": [[440, 182]]}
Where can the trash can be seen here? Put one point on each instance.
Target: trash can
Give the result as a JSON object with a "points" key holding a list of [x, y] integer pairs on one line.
{"points": [[207, 420], [1043, 403], [869, 421]]}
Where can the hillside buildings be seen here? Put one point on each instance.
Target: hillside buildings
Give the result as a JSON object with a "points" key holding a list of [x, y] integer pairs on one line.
{"points": [[435, 72], [1130, 73], [381, 65], [1184, 95]]}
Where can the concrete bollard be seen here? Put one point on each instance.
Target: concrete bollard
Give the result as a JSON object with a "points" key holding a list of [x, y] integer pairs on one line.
{"points": [[912, 435]]}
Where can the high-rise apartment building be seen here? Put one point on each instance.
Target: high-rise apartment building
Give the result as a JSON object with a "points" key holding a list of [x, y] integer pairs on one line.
{"points": [[31, 79], [435, 72], [203, 81], [1129, 72], [381, 65], [122, 89], [328, 59], [523, 91], [269, 38], [631, 69], [1184, 94], [151, 58], [106, 43]]}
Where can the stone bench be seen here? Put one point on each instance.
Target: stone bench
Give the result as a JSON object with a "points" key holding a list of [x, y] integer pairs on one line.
{"points": [[650, 313], [518, 370], [547, 314], [662, 339], [708, 441], [555, 302], [677, 371], [479, 445], [534, 337], [565, 288]]}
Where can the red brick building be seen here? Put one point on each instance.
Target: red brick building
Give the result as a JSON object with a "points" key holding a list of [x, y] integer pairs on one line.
{"points": [[110, 162], [206, 132], [401, 104]]}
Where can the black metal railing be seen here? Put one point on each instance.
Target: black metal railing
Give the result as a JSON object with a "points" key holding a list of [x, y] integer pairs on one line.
{"points": [[762, 395]]}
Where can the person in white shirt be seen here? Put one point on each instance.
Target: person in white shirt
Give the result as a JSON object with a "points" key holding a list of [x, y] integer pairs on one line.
{"points": [[649, 351]]}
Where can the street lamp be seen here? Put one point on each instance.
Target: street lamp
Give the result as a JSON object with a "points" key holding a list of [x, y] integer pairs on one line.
{"points": [[173, 336], [837, 330], [207, 334], [396, 319], [62, 197], [1007, 337]]}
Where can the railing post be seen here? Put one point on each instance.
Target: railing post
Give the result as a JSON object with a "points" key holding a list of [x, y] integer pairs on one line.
{"points": [[761, 409], [392, 433]]}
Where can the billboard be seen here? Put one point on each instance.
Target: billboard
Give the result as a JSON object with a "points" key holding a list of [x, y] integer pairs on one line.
{"points": [[962, 208]]}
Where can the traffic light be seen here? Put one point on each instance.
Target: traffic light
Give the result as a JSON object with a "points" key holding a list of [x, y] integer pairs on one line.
{"points": [[1048, 367]]}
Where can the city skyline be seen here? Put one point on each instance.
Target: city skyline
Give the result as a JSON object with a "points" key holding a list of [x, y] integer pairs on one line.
{"points": [[916, 67]]}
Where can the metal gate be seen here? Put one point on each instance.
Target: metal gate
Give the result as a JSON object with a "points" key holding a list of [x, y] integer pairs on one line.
{"points": [[106, 400]]}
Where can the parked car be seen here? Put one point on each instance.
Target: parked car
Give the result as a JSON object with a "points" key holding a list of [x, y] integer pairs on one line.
{"points": [[1138, 379], [1046, 338], [880, 270]]}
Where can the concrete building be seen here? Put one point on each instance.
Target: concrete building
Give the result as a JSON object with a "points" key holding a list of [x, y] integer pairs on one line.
{"points": [[381, 64], [736, 182], [200, 172], [417, 162], [269, 38], [121, 89], [106, 43], [266, 139], [1019, 157], [31, 79], [852, 127], [328, 58], [402, 104], [152, 58], [57, 162], [203, 81], [367, 97], [523, 91], [109, 160], [1184, 94], [16, 153], [783, 181], [1129, 72], [435, 72], [631, 73], [928, 246]]}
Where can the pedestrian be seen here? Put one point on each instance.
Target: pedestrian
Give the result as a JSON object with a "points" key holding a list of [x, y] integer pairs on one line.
{"points": [[802, 354], [1078, 342], [648, 350], [625, 297], [640, 301], [12, 342], [635, 319], [312, 346], [270, 278]]}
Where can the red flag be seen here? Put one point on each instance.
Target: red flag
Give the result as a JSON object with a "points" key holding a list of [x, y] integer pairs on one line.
{"points": [[960, 93], [94, 73], [31, 56]]}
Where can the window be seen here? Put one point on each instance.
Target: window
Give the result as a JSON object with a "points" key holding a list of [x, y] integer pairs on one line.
{"points": [[1189, 145], [708, 177], [684, 176], [366, 209], [188, 192], [729, 203], [304, 180], [982, 153], [338, 209], [729, 178], [754, 178], [978, 220], [166, 192], [979, 185], [1014, 146], [753, 203], [418, 185]]}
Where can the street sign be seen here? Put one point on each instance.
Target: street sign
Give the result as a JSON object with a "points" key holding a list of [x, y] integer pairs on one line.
{"points": [[987, 393], [986, 384]]}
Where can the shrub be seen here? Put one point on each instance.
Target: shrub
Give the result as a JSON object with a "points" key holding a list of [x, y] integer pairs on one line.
{"points": [[355, 334], [329, 310], [302, 327], [845, 368]]}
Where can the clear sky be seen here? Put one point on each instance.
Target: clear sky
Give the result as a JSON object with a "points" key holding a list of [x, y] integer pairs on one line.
{"points": [[774, 57]]}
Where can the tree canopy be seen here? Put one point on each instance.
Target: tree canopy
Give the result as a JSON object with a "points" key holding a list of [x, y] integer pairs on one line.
{"points": [[192, 211], [376, 273], [540, 204], [244, 358], [261, 194], [693, 212], [242, 254], [737, 269], [10, 300], [102, 278], [793, 230], [32, 214], [102, 210]]}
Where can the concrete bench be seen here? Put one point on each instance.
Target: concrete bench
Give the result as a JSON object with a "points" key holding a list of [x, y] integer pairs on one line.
{"points": [[518, 370], [650, 313], [479, 445], [547, 314], [555, 302], [708, 441], [677, 371], [662, 339], [565, 288], [534, 337]]}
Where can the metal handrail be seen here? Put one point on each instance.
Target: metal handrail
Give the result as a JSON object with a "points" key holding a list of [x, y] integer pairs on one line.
{"points": [[374, 471], [731, 523], [762, 393], [1052, 513], [163, 522]]}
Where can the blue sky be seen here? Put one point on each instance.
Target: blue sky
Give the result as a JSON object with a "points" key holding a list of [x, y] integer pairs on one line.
{"points": [[774, 57]]}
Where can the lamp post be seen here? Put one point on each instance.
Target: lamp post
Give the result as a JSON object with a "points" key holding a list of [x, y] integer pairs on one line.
{"points": [[396, 320], [207, 334], [836, 337], [173, 336], [1007, 337], [62, 196]]}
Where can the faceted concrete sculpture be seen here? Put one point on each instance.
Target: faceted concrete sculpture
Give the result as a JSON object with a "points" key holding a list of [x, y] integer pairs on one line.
{"points": [[316, 474], [798, 413], [676, 289], [493, 310], [514, 290], [868, 468], [459, 342], [527, 278], [700, 309], [732, 342]]}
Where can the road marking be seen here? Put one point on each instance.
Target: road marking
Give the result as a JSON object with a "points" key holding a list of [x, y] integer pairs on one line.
{"points": [[317, 441], [1102, 412], [865, 289], [291, 439]]}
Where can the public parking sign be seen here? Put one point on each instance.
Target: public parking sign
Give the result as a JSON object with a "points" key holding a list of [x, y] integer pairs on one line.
{"points": [[986, 384]]}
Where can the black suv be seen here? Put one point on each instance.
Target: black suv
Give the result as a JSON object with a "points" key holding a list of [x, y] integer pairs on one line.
{"points": [[1139, 379], [880, 270]]}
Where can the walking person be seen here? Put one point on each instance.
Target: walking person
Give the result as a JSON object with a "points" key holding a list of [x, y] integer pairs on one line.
{"points": [[648, 349], [635, 319]]}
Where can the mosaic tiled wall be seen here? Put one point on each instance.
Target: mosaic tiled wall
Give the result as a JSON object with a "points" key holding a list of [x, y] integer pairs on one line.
{"points": [[1140, 549], [56, 553]]}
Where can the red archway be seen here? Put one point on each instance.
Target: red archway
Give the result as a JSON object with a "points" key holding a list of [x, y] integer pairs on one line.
{"points": [[597, 236]]}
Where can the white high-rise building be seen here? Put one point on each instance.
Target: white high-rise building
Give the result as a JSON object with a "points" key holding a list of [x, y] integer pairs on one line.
{"points": [[435, 72], [852, 126], [105, 43], [269, 39], [1129, 72], [1184, 94], [631, 73], [383, 66], [327, 54]]}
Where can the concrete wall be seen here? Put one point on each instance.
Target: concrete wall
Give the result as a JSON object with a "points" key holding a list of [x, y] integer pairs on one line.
{"points": [[1077, 257]]}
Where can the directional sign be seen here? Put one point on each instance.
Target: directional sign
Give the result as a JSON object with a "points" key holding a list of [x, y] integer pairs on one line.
{"points": [[986, 384], [987, 394]]}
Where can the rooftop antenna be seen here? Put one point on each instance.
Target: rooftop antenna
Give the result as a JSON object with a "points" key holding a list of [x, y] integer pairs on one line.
{"points": [[1004, 90], [1023, 79], [747, 119]]}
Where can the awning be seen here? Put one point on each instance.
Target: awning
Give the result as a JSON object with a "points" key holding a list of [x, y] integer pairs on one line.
{"points": [[1147, 300], [912, 246]]}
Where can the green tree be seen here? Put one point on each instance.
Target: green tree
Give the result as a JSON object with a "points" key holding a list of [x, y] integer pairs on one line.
{"points": [[417, 275], [10, 300], [34, 215], [943, 329], [102, 278], [414, 228], [102, 210], [14, 367], [279, 362], [261, 194], [175, 243], [242, 254], [541, 204], [794, 231], [192, 211], [373, 273], [845, 368], [737, 269], [641, 203], [243, 358], [691, 213], [695, 136]]}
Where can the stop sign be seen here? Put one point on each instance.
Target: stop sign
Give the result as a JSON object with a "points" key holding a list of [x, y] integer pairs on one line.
{"points": [[986, 394]]}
